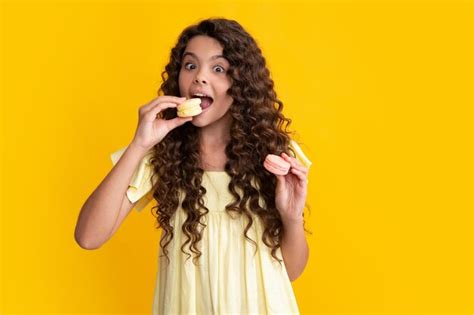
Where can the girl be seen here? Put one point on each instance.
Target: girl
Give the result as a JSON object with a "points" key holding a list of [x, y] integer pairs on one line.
{"points": [[243, 225]]}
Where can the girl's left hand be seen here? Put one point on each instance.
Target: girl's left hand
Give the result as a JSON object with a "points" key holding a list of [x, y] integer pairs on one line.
{"points": [[291, 190]]}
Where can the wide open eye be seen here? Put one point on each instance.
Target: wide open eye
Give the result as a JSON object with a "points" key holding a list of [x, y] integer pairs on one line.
{"points": [[219, 67], [186, 65]]}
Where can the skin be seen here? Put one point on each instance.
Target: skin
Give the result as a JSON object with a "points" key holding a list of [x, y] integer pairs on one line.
{"points": [[210, 75], [290, 196], [203, 72]]}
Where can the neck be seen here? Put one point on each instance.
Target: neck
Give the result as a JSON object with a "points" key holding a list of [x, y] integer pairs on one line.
{"points": [[216, 135]]}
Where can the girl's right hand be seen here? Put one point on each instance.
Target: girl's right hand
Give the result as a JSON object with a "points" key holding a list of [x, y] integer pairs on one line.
{"points": [[151, 129]]}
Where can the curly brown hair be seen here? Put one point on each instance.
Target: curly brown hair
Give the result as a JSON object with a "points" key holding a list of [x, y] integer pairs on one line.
{"points": [[258, 128]]}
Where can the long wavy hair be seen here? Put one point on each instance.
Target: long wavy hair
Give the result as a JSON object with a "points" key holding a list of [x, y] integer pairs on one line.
{"points": [[258, 128]]}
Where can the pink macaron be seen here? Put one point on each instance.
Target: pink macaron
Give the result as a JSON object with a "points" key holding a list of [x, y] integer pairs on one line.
{"points": [[276, 165]]}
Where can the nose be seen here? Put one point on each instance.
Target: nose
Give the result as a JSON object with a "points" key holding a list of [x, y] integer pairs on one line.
{"points": [[200, 78]]}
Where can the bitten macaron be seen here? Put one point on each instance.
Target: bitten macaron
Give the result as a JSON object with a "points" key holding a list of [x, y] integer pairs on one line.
{"points": [[276, 165], [190, 107]]}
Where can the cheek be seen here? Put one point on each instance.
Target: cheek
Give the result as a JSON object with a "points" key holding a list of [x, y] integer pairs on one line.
{"points": [[224, 88], [183, 84], [181, 77], [227, 101], [225, 97]]}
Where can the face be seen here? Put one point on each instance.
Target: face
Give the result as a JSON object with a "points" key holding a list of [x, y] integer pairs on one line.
{"points": [[204, 69]]}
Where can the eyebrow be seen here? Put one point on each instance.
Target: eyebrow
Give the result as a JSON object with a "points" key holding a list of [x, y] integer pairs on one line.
{"points": [[194, 55]]}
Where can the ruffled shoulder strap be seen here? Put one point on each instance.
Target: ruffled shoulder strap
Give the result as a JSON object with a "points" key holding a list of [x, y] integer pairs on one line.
{"points": [[297, 153], [139, 189]]}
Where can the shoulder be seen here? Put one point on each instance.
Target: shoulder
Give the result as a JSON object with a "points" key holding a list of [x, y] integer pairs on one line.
{"points": [[140, 187]]}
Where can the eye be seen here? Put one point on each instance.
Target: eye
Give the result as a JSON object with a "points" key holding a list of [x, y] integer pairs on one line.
{"points": [[187, 64], [219, 67]]}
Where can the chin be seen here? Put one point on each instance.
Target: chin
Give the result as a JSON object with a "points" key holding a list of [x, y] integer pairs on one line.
{"points": [[197, 122]]}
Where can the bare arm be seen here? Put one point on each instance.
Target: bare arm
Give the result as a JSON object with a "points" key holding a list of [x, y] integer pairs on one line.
{"points": [[107, 206], [294, 248], [99, 214]]}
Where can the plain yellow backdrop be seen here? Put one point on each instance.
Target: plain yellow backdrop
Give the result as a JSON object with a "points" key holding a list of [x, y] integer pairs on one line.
{"points": [[380, 93]]}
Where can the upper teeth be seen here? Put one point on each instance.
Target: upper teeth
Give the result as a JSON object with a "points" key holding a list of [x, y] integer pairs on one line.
{"points": [[200, 94]]}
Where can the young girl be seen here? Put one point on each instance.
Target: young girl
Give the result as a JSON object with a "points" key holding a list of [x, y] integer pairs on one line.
{"points": [[242, 224]]}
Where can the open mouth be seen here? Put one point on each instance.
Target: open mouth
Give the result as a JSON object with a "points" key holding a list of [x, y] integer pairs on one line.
{"points": [[206, 101]]}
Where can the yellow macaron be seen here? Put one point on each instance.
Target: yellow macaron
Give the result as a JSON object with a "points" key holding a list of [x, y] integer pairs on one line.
{"points": [[189, 107]]}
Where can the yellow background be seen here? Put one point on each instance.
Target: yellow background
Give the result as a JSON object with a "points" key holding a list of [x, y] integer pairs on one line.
{"points": [[380, 93]]}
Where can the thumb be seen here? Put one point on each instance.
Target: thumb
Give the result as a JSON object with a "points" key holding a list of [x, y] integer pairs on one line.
{"points": [[178, 121], [280, 179]]}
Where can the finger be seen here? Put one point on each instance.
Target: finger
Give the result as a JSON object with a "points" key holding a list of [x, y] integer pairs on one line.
{"points": [[176, 122], [302, 169], [295, 163], [158, 108], [162, 99], [300, 175], [288, 158], [280, 178]]}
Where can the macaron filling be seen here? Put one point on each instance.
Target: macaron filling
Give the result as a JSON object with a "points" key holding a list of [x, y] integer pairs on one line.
{"points": [[190, 107]]}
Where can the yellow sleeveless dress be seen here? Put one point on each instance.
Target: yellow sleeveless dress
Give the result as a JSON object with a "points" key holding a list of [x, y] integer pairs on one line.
{"points": [[232, 276]]}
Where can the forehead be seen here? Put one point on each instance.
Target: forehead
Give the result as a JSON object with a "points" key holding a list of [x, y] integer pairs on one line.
{"points": [[204, 48]]}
